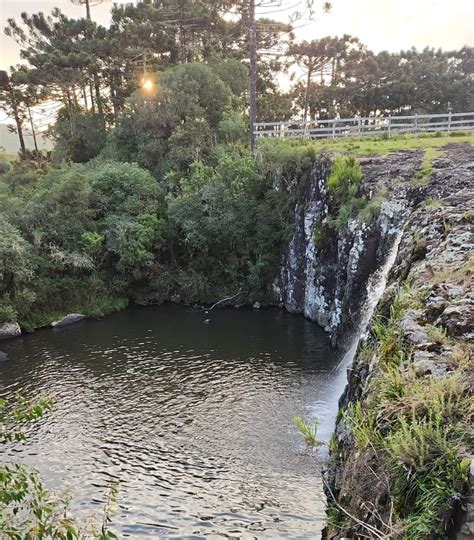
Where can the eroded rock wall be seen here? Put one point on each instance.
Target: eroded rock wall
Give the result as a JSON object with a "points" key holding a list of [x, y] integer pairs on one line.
{"points": [[326, 279]]}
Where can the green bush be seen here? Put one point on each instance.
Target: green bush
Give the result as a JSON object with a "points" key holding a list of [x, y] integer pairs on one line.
{"points": [[344, 185], [286, 162], [344, 180], [371, 210], [308, 431]]}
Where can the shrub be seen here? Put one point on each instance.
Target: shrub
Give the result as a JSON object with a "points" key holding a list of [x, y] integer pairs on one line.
{"points": [[287, 162], [308, 431], [372, 209], [343, 185], [344, 180]]}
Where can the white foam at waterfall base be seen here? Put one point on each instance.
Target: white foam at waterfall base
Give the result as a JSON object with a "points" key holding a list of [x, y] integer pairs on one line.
{"points": [[326, 411]]}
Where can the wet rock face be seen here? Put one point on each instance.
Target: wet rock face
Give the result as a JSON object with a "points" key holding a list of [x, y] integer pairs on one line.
{"points": [[298, 271], [326, 278]]}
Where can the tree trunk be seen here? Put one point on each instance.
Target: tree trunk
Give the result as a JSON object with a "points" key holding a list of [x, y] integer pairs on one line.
{"points": [[113, 95], [252, 72], [20, 133], [74, 97], [33, 131], [70, 112], [88, 10], [98, 97], [84, 97], [18, 122], [91, 92], [306, 95]]}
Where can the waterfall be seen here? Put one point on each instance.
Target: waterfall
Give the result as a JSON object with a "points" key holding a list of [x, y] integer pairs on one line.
{"points": [[375, 289]]}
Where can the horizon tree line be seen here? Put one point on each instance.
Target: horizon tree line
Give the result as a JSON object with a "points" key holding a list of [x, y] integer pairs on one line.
{"points": [[90, 69]]}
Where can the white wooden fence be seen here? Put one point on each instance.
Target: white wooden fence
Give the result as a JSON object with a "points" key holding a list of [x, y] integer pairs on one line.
{"points": [[363, 126]]}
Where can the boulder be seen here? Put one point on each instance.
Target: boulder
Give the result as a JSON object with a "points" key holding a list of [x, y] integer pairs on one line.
{"points": [[3, 355], [425, 363], [458, 319], [68, 319], [414, 332], [9, 330]]}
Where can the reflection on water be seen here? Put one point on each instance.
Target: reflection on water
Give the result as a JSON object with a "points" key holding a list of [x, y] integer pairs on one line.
{"points": [[194, 420]]}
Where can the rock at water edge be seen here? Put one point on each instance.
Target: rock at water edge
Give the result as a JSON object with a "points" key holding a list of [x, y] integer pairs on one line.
{"points": [[68, 319], [9, 330]]}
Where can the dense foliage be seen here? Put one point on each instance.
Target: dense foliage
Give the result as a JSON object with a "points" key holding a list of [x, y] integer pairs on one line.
{"points": [[343, 77], [91, 237], [90, 72]]}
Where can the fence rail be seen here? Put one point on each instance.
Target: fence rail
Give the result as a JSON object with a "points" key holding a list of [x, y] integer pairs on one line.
{"points": [[363, 126]]}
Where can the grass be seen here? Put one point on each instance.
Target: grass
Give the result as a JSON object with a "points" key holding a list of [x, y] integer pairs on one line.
{"points": [[436, 334], [417, 427], [372, 209], [423, 175], [453, 274], [468, 216], [308, 431], [93, 308], [365, 146], [347, 201], [432, 203]]}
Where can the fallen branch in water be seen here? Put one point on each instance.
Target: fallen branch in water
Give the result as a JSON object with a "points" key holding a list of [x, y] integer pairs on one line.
{"points": [[224, 300]]}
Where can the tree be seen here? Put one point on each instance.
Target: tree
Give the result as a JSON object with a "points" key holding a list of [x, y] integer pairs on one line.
{"points": [[85, 143], [228, 229], [11, 101], [326, 57], [180, 120], [130, 209], [88, 4], [16, 269]]}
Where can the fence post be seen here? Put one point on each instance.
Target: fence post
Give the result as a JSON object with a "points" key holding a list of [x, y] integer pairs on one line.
{"points": [[449, 123], [416, 122], [389, 125], [334, 129], [359, 126]]}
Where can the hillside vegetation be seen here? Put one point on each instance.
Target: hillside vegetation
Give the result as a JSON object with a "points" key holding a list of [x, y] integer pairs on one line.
{"points": [[91, 238]]}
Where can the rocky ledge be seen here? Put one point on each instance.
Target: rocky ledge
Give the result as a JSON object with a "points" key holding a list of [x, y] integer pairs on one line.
{"points": [[326, 279], [402, 450], [72, 318]]}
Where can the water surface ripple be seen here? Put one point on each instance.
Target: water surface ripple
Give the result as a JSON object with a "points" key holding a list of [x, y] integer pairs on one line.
{"points": [[194, 420]]}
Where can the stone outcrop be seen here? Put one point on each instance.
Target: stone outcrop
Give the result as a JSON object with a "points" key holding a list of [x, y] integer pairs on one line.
{"points": [[68, 319], [326, 280], [9, 330], [436, 253]]}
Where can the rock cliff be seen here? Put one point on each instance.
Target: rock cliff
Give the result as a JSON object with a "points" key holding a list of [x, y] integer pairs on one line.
{"points": [[326, 279], [401, 452]]}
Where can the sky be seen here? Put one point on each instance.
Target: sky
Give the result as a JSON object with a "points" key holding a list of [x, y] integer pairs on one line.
{"points": [[380, 24]]}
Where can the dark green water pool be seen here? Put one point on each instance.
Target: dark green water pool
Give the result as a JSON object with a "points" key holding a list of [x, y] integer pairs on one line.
{"points": [[194, 420]]}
